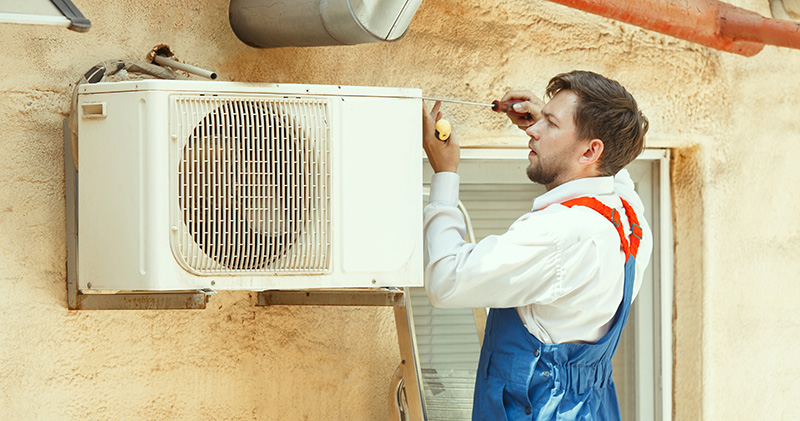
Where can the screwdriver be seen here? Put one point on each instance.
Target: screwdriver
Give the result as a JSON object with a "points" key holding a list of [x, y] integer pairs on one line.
{"points": [[498, 106], [443, 126]]}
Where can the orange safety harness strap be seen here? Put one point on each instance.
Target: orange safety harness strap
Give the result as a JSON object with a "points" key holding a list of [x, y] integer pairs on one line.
{"points": [[630, 248]]}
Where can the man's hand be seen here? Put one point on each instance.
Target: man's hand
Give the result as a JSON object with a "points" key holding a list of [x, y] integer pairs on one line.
{"points": [[532, 107], [443, 156]]}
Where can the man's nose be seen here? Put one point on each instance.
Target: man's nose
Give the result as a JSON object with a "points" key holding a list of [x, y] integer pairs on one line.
{"points": [[533, 131]]}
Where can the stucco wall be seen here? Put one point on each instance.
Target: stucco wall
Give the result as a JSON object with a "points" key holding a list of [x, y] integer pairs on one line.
{"points": [[732, 121]]}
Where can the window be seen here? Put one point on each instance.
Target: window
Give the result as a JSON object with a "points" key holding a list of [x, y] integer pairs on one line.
{"points": [[495, 191]]}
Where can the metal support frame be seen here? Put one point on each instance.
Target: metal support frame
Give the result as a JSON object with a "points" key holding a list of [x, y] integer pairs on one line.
{"points": [[395, 298], [77, 299], [137, 301], [339, 297]]}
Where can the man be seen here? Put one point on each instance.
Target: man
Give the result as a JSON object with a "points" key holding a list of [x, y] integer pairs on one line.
{"points": [[561, 280]]}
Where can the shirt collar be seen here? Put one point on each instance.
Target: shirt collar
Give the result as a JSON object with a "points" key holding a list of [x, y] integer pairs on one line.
{"points": [[589, 186]]}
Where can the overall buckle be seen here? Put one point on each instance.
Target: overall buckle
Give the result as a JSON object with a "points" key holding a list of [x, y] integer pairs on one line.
{"points": [[615, 218], [636, 231]]}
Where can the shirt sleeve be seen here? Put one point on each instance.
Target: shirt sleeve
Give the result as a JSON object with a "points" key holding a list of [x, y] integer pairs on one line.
{"points": [[519, 267]]}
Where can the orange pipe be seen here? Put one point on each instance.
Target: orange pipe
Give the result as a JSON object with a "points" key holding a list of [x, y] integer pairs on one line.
{"points": [[708, 22], [739, 24]]}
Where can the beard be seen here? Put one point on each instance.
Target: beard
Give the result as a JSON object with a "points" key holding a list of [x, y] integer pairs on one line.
{"points": [[547, 171], [539, 174]]}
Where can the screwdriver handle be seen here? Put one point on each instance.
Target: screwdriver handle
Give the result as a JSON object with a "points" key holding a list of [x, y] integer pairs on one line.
{"points": [[508, 107], [443, 129]]}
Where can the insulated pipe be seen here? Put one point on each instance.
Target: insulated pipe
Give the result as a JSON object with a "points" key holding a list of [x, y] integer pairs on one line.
{"points": [[708, 22], [175, 64], [307, 23]]}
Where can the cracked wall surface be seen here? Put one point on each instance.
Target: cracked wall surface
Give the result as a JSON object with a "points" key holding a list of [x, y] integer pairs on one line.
{"points": [[731, 122]]}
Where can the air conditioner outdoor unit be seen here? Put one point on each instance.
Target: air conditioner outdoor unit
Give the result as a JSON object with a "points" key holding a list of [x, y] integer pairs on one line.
{"points": [[188, 185]]}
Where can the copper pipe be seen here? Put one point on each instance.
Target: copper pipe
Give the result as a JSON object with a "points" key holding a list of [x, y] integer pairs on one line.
{"points": [[708, 22]]}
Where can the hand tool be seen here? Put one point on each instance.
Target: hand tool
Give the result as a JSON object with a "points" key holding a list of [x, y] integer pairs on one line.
{"points": [[443, 126], [498, 106], [443, 129]]}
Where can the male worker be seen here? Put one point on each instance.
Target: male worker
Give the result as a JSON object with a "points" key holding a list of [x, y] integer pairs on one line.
{"points": [[561, 280]]}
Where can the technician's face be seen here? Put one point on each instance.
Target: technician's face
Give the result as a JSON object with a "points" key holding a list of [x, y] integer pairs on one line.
{"points": [[554, 142]]}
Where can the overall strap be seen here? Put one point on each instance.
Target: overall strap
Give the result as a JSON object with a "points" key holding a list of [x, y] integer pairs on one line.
{"points": [[630, 248]]}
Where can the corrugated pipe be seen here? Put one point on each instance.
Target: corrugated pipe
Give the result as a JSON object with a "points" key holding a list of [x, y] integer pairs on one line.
{"points": [[711, 23]]}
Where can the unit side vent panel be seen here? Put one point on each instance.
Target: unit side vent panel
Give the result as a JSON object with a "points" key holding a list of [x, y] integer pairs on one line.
{"points": [[252, 184]]}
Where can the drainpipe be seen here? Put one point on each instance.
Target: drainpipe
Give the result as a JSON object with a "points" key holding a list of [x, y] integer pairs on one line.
{"points": [[711, 23]]}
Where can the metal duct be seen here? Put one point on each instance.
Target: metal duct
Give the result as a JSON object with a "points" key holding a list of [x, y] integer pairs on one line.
{"points": [[304, 23]]}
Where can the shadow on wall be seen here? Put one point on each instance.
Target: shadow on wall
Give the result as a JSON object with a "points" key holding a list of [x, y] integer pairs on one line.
{"points": [[687, 324]]}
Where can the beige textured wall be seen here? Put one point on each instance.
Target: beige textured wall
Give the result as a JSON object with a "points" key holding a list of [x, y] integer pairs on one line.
{"points": [[752, 238], [732, 122]]}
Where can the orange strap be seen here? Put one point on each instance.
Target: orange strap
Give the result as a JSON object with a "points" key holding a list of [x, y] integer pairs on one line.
{"points": [[612, 215]]}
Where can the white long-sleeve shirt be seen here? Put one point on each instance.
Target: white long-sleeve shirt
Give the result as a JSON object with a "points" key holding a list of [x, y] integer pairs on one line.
{"points": [[562, 268]]}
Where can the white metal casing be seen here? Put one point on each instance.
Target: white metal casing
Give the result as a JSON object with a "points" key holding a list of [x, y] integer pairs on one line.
{"points": [[127, 201]]}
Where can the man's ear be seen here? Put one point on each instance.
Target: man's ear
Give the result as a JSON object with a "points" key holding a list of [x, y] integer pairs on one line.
{"points": [[592, 152]]}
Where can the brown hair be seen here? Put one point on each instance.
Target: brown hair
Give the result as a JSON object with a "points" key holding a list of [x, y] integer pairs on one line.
{"points": [[605, 111]]}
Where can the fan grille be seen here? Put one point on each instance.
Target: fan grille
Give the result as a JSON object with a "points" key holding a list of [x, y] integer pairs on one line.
{"points": [[252, 185]]}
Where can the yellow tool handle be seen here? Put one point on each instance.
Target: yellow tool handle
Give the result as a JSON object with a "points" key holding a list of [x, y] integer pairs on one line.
{"points": [[443, 129]]}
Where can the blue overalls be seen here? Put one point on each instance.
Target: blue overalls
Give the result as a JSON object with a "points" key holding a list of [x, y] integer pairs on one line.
{"points": [[520, 378]]}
